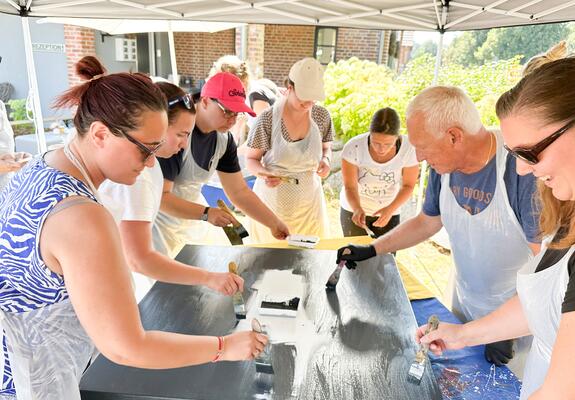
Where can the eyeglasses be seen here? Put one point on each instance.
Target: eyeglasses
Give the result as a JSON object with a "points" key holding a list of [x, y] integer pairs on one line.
{"points": [[531, 155], [227, 113], [186, 100], [146, 151]]}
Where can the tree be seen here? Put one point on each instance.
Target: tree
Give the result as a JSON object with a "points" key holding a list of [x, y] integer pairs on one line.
{"points": [[427, 47], [479, 47], [528, 41], [462, 50]]}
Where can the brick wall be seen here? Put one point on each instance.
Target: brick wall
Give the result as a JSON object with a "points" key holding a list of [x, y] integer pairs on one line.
{"points": [[197, 51], [360, 43], [80, 42], [284, 45], [256, 46]]}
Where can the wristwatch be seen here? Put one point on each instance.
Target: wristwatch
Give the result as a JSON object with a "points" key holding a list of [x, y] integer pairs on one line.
{"points": [[205, 214]]}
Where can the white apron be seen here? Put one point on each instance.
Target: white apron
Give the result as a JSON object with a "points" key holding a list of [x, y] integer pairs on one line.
{"points": [[541, 296], [48, 351], [488, 248], [301, 207], [6, 142], [170, 234]]}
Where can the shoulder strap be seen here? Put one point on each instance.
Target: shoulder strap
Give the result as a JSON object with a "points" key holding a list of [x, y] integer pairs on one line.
{"points": [[73, 201]]}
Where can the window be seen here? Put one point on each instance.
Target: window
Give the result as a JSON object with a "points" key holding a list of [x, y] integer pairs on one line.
{"points": [[325, 42]]}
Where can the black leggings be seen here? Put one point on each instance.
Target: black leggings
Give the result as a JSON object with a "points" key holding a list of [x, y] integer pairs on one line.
{"points": [[351, 229]]}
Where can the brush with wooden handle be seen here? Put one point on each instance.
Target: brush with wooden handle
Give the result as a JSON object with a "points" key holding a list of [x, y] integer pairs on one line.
{"points": [[237, 226], [285, 179], [239, 304], [417, 368]]}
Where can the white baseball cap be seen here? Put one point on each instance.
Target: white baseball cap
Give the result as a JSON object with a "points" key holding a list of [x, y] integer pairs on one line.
{"points": [[307, 76]]}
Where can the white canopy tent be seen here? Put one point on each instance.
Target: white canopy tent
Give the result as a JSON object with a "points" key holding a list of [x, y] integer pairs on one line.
{"points": [[440, 15], [123, 26], [418, 15]]}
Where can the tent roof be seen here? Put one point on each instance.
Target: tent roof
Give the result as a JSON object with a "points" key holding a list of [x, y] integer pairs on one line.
{"points": [[122, 26], [367, 14]]}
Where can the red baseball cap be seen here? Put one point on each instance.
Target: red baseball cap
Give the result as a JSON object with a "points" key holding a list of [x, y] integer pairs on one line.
{"points": [[229, 91]]}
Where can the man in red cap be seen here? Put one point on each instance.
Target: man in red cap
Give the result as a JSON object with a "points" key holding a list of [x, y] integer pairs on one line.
{"points": [[211, 149]]}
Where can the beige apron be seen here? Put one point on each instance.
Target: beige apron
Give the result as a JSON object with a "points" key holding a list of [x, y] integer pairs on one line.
{"points": [[301, 207]]}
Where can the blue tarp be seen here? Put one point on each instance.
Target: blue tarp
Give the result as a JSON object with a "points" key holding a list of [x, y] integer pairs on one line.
{"points": [[465, 374]]}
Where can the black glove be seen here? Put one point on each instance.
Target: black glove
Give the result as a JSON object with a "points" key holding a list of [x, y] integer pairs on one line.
{"points": [[358, 253], [499, 353]]}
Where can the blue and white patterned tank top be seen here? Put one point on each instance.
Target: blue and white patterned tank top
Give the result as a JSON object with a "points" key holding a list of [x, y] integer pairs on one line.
{"points": [[26, 283]]}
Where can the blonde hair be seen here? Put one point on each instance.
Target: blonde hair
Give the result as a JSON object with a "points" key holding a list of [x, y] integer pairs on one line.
{"points": [[444, 107], [233, 65], [548, 92], [556, 52]]}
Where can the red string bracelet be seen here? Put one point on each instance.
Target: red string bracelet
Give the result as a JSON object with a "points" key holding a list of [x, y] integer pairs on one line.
{"points": [[220, 349]]}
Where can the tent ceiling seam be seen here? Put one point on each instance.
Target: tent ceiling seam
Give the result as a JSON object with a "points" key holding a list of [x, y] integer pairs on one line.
{"points": [[67, 4], [554, 9], [16, 6]]}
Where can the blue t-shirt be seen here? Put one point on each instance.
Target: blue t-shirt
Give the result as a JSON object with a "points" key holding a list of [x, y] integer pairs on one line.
{"points": [[475, 191]]}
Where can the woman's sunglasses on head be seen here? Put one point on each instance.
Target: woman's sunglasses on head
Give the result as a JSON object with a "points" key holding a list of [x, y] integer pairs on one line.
{"points": [[186, 100], [531, 154]]}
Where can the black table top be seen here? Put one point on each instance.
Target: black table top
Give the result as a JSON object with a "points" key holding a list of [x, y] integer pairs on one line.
{"points": [[360, 347]]}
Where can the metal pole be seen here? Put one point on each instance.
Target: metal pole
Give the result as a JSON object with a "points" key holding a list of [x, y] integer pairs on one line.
{"points": [[438, 60], [423, 173], [33, 95], [175, 76]]}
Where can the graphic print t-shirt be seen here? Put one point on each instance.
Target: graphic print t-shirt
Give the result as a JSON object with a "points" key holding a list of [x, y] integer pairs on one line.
{"points": [[378, 183]]}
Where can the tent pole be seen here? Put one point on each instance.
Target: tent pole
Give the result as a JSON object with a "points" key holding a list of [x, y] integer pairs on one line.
{"points": [[438, 59], [175, 77], [33, 87], [423, 173]]}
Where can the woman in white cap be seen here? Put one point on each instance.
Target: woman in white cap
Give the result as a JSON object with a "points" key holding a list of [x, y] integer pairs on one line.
{"points": [[289, 150]]}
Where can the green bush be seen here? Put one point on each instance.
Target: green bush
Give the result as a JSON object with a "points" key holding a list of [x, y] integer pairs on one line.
{"points": [[355, 89], [18, 110]]}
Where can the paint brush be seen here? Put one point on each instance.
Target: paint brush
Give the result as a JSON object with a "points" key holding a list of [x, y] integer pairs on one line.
{"points": [[417, 368], [369, 231], [264, 359], [334, 277], [285, 179], [238, 299], [236, 232]]}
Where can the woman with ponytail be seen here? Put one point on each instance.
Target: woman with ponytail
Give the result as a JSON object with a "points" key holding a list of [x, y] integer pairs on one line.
{"points": [[140, 204], [379, 170], [65, 285]]}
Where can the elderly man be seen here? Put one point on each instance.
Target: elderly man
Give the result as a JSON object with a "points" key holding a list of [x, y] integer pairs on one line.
{"points": [[211, 149], [474, 192]]}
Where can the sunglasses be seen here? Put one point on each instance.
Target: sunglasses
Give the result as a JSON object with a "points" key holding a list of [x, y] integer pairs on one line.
{"points": [[146, 151], [531, 154], [186, 100], [227, 113]]}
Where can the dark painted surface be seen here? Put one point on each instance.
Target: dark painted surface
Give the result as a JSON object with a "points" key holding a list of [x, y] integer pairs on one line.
{"points": [[360, 344]]}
